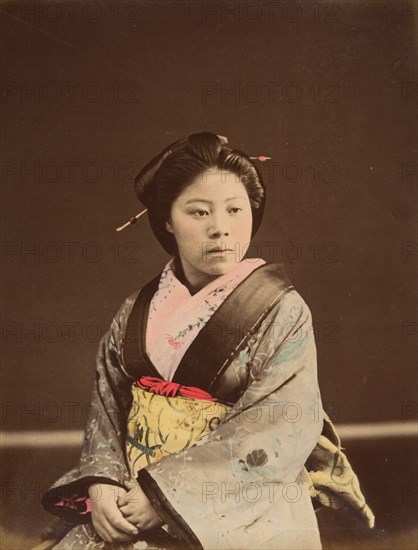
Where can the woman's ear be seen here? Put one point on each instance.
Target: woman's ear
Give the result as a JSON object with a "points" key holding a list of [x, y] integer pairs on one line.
{"points": [[169, 227]]}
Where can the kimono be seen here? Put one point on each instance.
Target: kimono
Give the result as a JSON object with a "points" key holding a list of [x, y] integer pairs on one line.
{"points": [[211, 402]]}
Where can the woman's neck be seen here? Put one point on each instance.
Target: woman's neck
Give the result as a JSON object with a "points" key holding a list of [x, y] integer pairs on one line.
{"points": [[192, 286]]}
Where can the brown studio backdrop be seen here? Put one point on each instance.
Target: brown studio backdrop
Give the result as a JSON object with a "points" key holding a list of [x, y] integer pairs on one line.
{"points": [[328, 92]]}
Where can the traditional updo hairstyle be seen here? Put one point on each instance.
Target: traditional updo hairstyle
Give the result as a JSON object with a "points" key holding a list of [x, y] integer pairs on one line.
{"points": [[162, 180]]}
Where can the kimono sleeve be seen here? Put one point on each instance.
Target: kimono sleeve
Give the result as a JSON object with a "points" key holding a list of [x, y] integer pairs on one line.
{"points": [[242, 475], [103, 458]]}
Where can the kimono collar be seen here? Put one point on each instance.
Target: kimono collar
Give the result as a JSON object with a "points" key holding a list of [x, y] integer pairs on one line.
{"points": [[176, 317]]}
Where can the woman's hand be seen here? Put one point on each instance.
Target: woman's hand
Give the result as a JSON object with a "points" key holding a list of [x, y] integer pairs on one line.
{"points": [[136, 507], [107, 519]]}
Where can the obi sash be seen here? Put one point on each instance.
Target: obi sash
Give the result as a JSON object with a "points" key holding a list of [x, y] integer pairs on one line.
{"points": [[167, 418]]}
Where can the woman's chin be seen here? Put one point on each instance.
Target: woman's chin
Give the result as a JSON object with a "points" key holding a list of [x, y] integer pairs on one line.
{"points": [[218, 265]]}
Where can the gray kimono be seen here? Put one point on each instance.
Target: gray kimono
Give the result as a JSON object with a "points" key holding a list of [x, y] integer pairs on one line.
{"points": [[242, 486]]}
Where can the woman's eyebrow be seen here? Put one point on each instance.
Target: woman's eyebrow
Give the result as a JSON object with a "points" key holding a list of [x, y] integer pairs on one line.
{"points": [[210, 202]]}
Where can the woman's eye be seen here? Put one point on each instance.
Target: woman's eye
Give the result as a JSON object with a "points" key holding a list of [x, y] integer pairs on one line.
{"points": [[198, 213], [235, 210]]}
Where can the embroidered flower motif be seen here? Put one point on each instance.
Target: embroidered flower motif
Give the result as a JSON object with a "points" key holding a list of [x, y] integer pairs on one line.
{"points": [[257, 457], [172, 342], [200, 321], [255, 466], [211, 307]]}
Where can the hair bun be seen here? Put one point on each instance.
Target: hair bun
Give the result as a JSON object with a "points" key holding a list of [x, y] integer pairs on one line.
{"points": [[146, 175], [205, 146]]}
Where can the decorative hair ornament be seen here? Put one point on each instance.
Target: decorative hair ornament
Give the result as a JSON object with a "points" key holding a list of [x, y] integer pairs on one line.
{"points": [[261, 157], [132, 220], [175, 147]]}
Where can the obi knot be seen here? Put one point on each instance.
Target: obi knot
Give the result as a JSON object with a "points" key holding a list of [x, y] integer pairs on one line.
{"points": [[171, 389]]}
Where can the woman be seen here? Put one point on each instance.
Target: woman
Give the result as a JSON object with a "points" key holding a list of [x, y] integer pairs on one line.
{"points": [[206, 406]]}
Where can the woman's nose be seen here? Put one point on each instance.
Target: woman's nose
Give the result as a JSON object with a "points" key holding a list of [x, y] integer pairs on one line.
{"points": [[218, 227], [217, 234]]}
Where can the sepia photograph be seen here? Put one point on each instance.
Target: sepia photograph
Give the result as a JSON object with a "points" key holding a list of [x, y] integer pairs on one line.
{"points": [[209, 274]]}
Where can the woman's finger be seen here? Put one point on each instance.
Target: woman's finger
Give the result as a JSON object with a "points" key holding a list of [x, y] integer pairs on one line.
{"points": [[118, 536], [131, 484], [128, 513], [117, 521], [128, 498], [101, 525], [114, 535], [131, 495], [133, 517], [102, 529]]}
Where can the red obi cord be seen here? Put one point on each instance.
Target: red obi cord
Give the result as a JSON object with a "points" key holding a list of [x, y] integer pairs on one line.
{"points": [[80, 505], [171, 389]]}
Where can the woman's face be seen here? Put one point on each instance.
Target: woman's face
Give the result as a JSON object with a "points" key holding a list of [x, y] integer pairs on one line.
{"points": [[211, 221]]}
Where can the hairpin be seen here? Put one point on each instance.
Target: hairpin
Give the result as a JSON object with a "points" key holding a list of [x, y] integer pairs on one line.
{"points": [[132, 220], [261, 157]]}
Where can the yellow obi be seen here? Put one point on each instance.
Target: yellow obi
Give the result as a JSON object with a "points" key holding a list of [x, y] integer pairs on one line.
{"points": [[166, 418]]}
